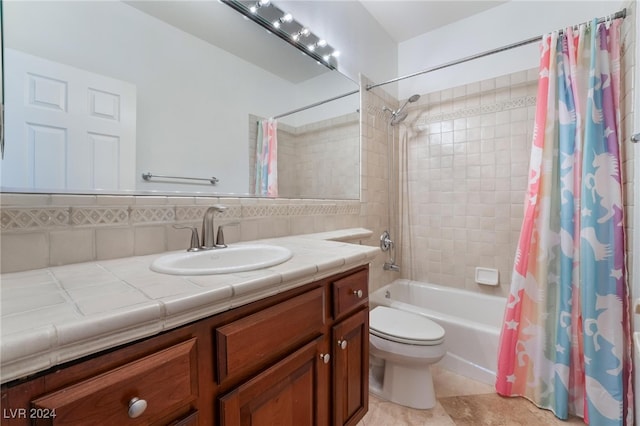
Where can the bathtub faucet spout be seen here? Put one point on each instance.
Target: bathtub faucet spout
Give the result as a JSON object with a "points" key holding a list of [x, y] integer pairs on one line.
{"points": [[388, 266]]}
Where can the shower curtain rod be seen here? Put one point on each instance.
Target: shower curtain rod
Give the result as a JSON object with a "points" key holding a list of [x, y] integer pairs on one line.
{"points": [[344, 95], [620, 14]]}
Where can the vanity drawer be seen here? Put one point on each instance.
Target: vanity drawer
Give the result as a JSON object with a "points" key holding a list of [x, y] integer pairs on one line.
{"points": [[165, 380], [349, 292], [258, 340]]}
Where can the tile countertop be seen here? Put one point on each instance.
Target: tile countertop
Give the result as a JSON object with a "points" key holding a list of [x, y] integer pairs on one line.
{"points": [[58, 314]]}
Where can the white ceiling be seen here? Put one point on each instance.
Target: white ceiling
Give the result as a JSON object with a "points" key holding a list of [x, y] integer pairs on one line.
{"points": [[405, 19]]}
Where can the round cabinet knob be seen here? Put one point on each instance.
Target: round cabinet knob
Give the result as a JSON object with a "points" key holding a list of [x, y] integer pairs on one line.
{"points": [[358, 293], [325, 358], [137, 407], [342, 344]]}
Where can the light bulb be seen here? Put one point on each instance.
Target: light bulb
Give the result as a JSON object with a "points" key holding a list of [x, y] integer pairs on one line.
{"points": [[305, 32], [322, 43], [311, 47], [287, 18], [335, 53], [276, 24]]}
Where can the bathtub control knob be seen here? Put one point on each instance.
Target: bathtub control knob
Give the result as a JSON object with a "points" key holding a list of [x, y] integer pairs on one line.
{"points": [[358, 293], [342, 344], [137, 406], [325, 358]]}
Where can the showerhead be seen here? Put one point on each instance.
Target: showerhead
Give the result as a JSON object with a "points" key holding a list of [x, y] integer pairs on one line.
{"points": [[399, 115]]}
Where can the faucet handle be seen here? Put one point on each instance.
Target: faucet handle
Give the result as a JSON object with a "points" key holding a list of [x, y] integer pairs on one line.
{"points": [[220, 237], [195, 241]]}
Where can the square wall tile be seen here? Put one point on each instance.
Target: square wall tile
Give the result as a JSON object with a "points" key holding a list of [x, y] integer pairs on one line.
{"points": [[24, 251], [149, 240], [71, 246], [112, 243]]}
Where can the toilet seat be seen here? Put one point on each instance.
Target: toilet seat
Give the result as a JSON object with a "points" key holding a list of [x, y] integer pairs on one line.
{"points": [[404, 327]]}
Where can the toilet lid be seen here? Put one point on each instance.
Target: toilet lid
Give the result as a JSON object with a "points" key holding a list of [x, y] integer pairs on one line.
{"points": [[404, 327]]}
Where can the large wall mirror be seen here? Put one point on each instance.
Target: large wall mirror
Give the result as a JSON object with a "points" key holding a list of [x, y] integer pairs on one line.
{"points": [[99, 93]]}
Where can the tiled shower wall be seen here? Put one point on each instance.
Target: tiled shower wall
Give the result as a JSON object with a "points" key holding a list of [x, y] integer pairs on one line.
{"points": [[374, 191], [465, 180], [466, 175]]}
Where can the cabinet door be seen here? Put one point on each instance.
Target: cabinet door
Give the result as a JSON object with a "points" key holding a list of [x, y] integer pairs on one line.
{"points": [[138, 393], [287, 394], [350, 368]]}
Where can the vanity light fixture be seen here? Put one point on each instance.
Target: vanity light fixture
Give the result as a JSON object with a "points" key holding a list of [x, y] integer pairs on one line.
{"points": [[287, 17], [272, 18], [261, 3], [304, 32]]}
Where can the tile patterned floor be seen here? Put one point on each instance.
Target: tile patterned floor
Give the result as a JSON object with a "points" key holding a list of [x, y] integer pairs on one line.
{"points": [[462, 402]]}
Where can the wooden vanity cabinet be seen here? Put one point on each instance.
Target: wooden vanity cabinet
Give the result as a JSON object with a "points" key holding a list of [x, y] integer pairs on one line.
{"points": [[350, 337], [297, 358], [351, 368]]}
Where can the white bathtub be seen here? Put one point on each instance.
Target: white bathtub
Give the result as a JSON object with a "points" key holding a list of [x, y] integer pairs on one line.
{"points": [[471, 322]]}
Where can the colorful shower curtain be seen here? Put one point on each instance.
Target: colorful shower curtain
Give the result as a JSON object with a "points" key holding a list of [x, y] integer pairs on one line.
{"points": [[565, 341], [267, 158]]}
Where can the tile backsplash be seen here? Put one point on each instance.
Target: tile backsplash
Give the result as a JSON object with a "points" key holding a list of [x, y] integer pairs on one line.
{"points": [[41, 230]]}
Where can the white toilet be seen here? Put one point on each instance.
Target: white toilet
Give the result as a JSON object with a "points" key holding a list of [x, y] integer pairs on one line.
{"points": [[403, 345]]}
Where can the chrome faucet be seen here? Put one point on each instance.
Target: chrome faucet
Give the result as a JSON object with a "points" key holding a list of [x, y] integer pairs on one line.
{"points": [[208, 228], [220, 236]]}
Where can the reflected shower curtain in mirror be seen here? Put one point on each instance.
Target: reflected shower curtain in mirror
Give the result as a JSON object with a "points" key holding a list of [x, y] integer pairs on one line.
{"points": [[565, 342], [267, 158]]}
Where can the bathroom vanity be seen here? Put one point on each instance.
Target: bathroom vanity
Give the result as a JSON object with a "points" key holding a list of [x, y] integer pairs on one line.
{"points": [[298, 357]]}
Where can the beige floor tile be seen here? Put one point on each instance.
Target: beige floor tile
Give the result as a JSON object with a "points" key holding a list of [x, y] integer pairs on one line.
{"points": [[494, 410], [447, 384], [384, 413], [462, 402]]}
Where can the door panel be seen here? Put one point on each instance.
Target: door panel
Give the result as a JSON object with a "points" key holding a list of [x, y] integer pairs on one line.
{"points": [[67, 128]]}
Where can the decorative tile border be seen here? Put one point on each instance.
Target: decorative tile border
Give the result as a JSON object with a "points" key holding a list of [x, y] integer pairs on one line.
{"points": [[348, 209], [16, 218], [190, 213], [520, 102], [321, 209], [196, 213], [232, 212], [33, 218], [265, 211], [152, 214], [99, 216]]}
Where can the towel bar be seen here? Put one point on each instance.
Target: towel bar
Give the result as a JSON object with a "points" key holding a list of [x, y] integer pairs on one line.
{"points": [[148, 176]]}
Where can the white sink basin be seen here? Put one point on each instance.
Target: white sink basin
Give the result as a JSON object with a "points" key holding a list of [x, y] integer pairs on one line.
{"points": [[222, 261]]}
